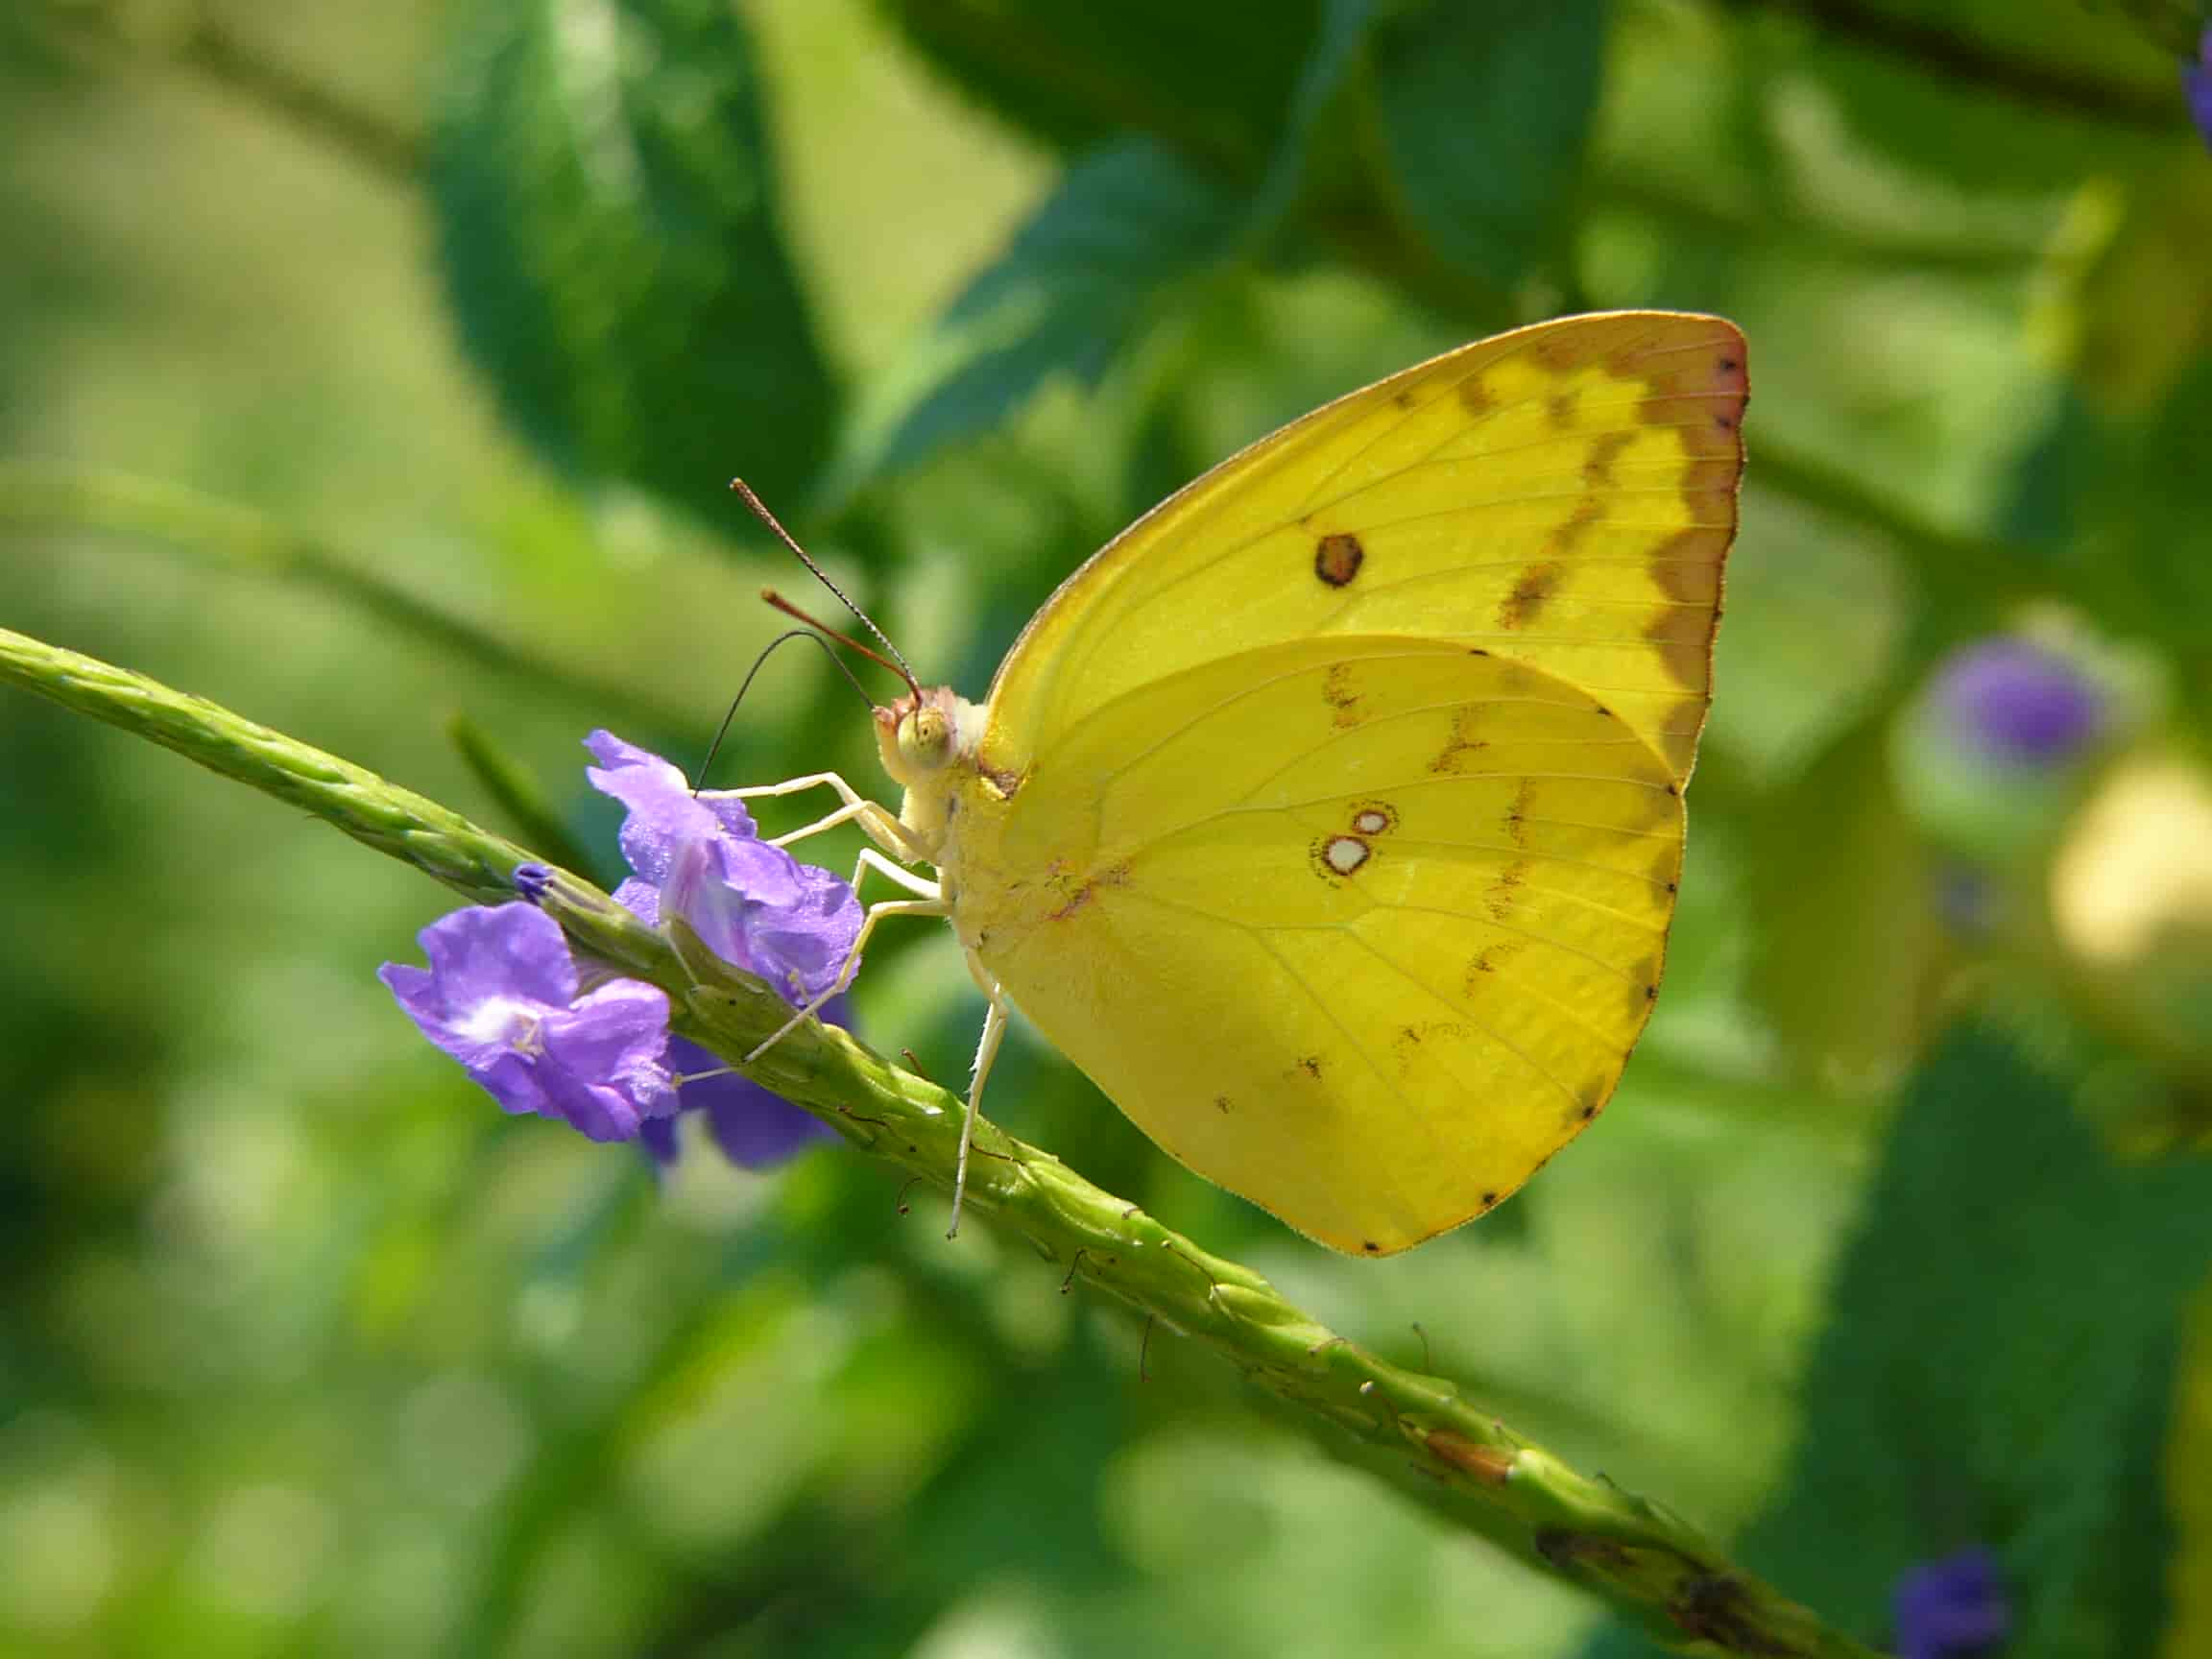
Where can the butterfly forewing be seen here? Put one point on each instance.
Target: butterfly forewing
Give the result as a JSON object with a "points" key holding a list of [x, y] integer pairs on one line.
{"points": [[1563, 495]]}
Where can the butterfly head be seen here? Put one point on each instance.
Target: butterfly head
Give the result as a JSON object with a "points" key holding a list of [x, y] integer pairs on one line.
{"points": [[922, 735], [928, 742]]}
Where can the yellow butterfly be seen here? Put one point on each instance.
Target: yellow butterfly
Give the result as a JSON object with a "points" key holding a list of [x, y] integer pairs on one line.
{"points": [[1329, 818]]}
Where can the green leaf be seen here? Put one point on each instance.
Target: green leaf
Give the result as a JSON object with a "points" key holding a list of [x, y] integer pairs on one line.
{"points": [[1083, 280], [1998, 1366], [1486, 111], [605, 210], [2189, 1485], [1844, 935], [1209, 81]]}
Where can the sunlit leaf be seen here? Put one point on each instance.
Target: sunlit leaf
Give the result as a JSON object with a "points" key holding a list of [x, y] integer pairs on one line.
{"points": [[613, 246], [1841, 911], [1080, 283]]}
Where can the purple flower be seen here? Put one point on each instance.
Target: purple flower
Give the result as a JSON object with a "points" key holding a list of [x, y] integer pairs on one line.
{"points": [[753, 905], [754, 1128], [2196, 87], [2018, 702], [1951, 1608], [701, 857], [499, 995]]}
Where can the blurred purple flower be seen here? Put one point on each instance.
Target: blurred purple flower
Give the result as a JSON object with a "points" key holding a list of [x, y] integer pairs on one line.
{"points": [[2197, 86], [753, 905], [1951, 1608], [499, 995], [2018, 702]]}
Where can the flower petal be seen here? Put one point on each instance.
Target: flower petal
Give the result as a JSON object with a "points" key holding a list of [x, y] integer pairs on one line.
{"points": [[490, 950], [615, 1038], [499, 995], [663, 808], [759, 908], [754, 1127]]}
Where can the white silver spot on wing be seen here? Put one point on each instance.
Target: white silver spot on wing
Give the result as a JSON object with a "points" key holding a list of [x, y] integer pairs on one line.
{"points": [[1345, 854], [1371, 822]]}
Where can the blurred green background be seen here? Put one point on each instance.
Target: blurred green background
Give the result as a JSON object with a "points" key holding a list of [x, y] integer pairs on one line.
{"points": [[361, 366]]}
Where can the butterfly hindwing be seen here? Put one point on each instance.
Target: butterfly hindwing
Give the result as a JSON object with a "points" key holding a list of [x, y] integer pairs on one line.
{"points": [[1363, 928]]}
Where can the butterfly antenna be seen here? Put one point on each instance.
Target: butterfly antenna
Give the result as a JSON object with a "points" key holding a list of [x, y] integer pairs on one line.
{"points": [[900, 668], [723, 731], [898, 663]]}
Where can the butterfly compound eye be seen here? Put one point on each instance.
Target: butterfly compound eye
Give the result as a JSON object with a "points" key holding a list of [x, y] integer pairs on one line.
{"points": [[926, 737]]}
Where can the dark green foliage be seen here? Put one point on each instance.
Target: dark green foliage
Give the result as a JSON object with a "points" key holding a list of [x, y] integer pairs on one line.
{"points": [[1486, 111], [613, 249], [1997, 1366], [1127, 229], [1210, 82]]}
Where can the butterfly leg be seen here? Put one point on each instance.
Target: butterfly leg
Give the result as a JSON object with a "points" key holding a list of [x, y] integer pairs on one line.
{"points": [[922, 885], [876, 820], [875, 914], [986, 1052]]}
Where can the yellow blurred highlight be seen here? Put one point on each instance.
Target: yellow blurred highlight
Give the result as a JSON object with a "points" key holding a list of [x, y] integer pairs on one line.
{"points": [[2132, 904]]}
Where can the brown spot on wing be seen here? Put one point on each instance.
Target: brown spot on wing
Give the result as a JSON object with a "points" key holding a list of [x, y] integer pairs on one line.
{"points": [[1588, 512], [1560, 409], [1688, 661], [1490, 959], [1337, 561], [1407, 1041], [1463, 740], [1604, 450], [1526, 602], [1116, 876], [1517, 814], [1476, 397], [1310, 1066], [1337, 859], [1644, 982], [1504, 892], [1339, 692], [1373, 818]]}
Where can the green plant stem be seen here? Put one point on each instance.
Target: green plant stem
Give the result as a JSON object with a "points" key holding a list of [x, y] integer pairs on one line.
{"points": [[1404, 1426], [210, 49], [515, 788], [192, 37], [1950, 55], [37, 496], [1961, 574]]}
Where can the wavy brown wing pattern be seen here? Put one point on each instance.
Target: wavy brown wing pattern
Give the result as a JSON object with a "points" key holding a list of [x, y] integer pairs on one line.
{"points": [[1563, 495]]}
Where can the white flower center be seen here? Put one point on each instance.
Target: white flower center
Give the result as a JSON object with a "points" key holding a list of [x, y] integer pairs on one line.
{"points": [[510, 1021]]}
